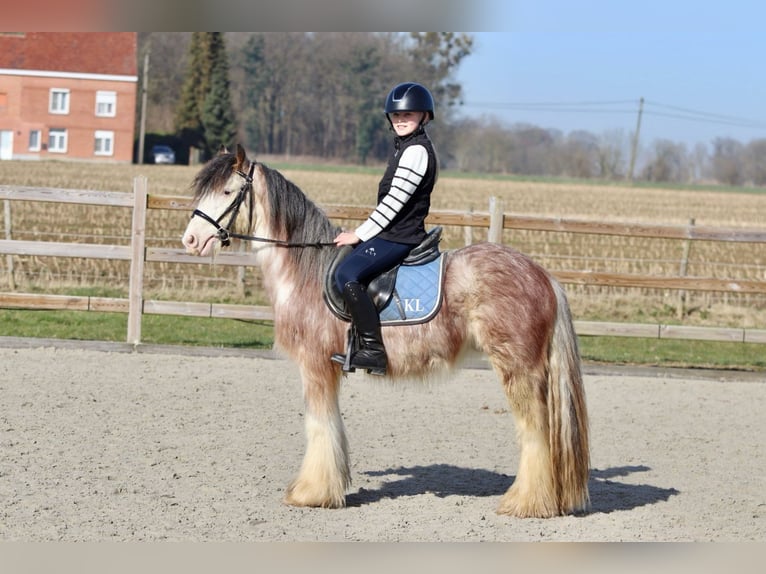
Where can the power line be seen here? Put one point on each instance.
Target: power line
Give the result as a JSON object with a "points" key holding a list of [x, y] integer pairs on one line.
{"points": [[582, 106], [606, 107], [705, 117], [740, 124], [697, 112]]}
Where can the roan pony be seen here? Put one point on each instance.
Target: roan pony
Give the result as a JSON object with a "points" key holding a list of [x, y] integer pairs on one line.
{"points": [[495, 300]]}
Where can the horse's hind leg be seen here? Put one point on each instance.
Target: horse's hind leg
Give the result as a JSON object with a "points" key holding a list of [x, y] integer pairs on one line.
{"points": [[324, 475], [533, 492]]}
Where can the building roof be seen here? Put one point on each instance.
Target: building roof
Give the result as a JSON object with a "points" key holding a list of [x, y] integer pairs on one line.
{"points": [[113, 53]]}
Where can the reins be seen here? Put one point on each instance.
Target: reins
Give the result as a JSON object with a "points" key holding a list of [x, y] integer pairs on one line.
{"points": [[225, 236]]}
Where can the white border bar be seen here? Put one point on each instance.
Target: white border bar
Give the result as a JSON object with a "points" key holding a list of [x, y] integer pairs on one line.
{"points": [[67, 75]]}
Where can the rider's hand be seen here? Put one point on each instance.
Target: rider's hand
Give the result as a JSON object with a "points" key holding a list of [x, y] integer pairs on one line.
{"points": [[346, 238]]}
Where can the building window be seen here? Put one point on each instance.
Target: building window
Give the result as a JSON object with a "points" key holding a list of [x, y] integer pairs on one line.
{"points": [[35, 140], [59, 101], [106, 104], [57, 140], [104, 143]]}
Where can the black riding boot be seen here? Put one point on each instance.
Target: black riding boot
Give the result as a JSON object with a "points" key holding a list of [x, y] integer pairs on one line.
{"points": [[371, 354]]}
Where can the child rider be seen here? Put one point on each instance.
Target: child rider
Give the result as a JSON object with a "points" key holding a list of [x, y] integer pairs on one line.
{"points": [[396, 225]]}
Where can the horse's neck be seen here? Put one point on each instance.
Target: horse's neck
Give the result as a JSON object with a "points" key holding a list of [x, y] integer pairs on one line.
{"points": [[292, 281], [286, 286]]}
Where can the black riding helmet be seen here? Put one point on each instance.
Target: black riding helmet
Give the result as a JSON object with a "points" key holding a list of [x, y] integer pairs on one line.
{"points": [[409, 97]]}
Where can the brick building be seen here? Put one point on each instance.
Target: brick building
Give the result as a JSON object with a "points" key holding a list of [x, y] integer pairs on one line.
{"points": [[68, 95]]}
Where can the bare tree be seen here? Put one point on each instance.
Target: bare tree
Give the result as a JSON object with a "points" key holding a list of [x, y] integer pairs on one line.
{"points": [[531, 150], [668, 162], [579, 154], [167, 62], [699, 163], [483, 146], [728, 161], [755, 162], [612, 153]]}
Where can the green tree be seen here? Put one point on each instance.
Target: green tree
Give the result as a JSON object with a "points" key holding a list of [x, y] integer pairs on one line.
{"points": [[364, 90], [253, 90], [204, 117], [188, 119], [218, 121]]}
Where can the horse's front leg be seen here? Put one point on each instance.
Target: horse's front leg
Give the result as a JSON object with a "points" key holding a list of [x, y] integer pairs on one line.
{"points": [[324, 475]]}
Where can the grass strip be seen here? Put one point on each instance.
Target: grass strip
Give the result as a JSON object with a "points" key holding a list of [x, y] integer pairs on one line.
{"points": [[232, 333]]}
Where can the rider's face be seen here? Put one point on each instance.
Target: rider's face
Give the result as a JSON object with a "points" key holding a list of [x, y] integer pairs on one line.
{"points": [[406, 122]]}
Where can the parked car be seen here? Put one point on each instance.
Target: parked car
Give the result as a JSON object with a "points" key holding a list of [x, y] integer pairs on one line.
{"points": [[163, 154]]}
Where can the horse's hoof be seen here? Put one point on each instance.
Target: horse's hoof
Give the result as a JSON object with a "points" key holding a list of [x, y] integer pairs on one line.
{"points": [[298, 495], [514, 504]]}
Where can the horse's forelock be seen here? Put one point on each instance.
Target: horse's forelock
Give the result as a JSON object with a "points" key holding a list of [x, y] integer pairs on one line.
{"points": [[213, 175]]}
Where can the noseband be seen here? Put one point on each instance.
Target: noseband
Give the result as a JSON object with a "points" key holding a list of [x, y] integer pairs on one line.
{"points": [[224, 232]]}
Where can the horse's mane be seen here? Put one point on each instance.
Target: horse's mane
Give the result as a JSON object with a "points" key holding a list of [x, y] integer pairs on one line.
{"points": [[292, 216], [297, 219]]}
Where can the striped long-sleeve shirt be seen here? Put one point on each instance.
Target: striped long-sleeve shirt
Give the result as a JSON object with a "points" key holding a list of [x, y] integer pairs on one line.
{"points": [[404, 192]]}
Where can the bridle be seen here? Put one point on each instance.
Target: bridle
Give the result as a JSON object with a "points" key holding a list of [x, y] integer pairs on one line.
{"points": [[225, 234]]}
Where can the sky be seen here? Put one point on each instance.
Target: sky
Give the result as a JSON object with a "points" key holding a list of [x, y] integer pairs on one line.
{"points": [[585, 64]]}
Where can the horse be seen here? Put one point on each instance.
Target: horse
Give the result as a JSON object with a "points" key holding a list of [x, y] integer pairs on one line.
{"points": [[495, 300]]}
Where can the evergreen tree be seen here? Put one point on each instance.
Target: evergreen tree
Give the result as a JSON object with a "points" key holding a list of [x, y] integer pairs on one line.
{"points": [[217, 112], [205, 117], [365, 89], [188, 122], [253, 91]]}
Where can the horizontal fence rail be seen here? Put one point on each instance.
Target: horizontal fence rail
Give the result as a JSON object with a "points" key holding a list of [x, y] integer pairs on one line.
{"points": [[494, 221]]}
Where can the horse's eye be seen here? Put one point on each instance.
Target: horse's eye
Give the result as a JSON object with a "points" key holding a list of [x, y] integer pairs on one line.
{"points": [[227, 192]]}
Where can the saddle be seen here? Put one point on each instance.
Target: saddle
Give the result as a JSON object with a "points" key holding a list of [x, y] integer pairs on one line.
{"points": [[410, 293]]}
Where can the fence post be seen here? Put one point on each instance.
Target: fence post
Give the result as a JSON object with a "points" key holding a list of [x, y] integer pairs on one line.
{"points": [[468, 232], [682, 270], [496, 216], [244, 246], [137, 256], [9, 235]]}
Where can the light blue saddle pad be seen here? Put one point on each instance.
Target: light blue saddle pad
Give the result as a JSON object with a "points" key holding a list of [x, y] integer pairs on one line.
{"points": [[417, 294]]}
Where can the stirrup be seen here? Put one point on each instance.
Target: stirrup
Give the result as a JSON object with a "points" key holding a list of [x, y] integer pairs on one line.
{"points": [[352, 345], [347, 367], [343, 360]]}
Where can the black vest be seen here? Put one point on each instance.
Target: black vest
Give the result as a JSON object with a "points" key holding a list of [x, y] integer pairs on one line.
{"points": [[409, 224]]}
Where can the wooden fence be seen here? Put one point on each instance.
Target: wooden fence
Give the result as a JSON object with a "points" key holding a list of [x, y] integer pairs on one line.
{"points": [[494, 221]]}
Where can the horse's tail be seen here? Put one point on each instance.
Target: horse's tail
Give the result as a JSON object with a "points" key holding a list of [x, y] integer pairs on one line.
{"points": [[567, 413]]}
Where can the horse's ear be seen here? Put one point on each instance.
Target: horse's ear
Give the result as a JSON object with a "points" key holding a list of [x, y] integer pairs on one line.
{"points": [[222, 150], [241, 155]]}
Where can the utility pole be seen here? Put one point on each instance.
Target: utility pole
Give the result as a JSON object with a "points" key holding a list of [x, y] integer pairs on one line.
{"points": [[634, 149], [144, 90]]}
